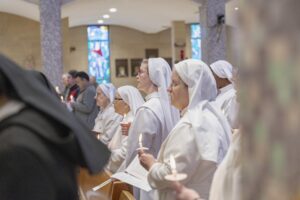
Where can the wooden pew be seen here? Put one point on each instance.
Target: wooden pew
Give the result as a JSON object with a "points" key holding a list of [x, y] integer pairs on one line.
{"points": [[125, 195], [87, 182], [117, 188]]}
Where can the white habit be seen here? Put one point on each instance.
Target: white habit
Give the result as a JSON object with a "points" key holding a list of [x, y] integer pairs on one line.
{"points": [[107, 123], [118, 145], [200, 139]]}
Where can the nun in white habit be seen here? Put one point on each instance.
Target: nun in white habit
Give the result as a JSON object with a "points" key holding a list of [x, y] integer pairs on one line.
{"points": [[199, 141], [156, 117], [128, 99], [226, 99], [107, 121]]}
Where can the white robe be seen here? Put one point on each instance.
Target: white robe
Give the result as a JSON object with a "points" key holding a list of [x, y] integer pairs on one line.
{"points": [[118, 147], [226, 101], [150, 121], [227, 179], [107, 123], [183, 143]]}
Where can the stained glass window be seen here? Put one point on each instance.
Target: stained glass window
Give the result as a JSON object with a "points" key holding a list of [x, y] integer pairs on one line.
{"points": [[196, 41], [98, 53]]}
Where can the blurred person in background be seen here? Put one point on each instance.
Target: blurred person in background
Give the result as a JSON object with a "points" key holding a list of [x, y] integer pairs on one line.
{"points": [[41, 143]]}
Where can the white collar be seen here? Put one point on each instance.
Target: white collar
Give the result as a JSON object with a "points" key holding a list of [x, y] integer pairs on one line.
{"points": [[152, 95], [226, 88], [10, 108]]}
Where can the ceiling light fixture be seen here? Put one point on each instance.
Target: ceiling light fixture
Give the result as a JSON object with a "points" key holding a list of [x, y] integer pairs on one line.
{"points": [[100, 21], [106, 16], [112, 10], [236, 8]]}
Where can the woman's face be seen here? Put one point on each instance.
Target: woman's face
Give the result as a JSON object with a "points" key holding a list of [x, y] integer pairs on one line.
{"points": [[102, 100], [143, 78], [178, 91], [120, 106]]}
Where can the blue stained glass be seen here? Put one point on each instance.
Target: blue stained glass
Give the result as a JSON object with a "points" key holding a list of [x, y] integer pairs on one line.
{"points": [[99, 53], [195, 31], [196, 41]]}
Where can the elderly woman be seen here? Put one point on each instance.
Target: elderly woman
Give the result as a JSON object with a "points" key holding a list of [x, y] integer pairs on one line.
{"points": [[127, 101], [156, 117], [107, 121], [199, 141]]}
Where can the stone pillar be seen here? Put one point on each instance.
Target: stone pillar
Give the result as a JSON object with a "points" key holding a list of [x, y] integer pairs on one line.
{"points": [[213, 34], [51, 40], [270, 96], [178, 40]]}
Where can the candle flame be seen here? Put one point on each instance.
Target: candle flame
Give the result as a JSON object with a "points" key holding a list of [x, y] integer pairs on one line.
{"points": [[124, 118]]}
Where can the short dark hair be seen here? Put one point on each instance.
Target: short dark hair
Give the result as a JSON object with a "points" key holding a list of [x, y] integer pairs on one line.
{"points": [[82, 75], [73, 73]]}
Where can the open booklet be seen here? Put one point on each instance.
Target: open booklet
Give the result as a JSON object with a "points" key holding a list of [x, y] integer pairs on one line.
{"points": [[134, 175]]}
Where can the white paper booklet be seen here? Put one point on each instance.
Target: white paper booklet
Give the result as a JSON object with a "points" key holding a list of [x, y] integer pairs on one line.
{"points": [[134, 175]]}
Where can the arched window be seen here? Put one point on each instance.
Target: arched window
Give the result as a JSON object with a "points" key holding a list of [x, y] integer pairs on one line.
{"points": [[99, 53], [196, 41]]}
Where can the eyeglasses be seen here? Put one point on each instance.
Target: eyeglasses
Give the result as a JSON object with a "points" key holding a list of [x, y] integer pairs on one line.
{"points": [[118, 99]]}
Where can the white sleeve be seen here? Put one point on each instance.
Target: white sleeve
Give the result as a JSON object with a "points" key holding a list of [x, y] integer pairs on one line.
{"points": [[181, 144]]}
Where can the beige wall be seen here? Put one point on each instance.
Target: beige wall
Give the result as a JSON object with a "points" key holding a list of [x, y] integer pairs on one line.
{"points": [[130, 43], [20, 40], [125, 43]]}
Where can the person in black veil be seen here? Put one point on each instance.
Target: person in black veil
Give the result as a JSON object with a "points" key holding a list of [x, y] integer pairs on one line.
{"points": [[41, 143]]}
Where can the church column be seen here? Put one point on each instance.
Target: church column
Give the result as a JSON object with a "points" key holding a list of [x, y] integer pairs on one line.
{"points": [[178, 39], [213, 34], [51, 39]]}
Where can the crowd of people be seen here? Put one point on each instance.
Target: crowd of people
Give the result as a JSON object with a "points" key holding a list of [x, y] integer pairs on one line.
{"points": [[190, 113]]}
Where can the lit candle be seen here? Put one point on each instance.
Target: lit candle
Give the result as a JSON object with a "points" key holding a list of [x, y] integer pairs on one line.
{"points": [[62, 98], [173, 165], [124, 121], [141, 148], [174, 176], [57, 90], [141, 141], [72, 98]]}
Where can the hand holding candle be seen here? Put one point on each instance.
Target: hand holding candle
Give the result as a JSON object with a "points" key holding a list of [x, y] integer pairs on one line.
{"points": [[175, 176], [125, 125]]}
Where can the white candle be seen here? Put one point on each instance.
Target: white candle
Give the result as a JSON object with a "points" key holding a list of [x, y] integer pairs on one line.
{"points": [[141, 141], [57, 89], [124, 119], [62, 98], [72, 98], [173, 165], [174, 176]]}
